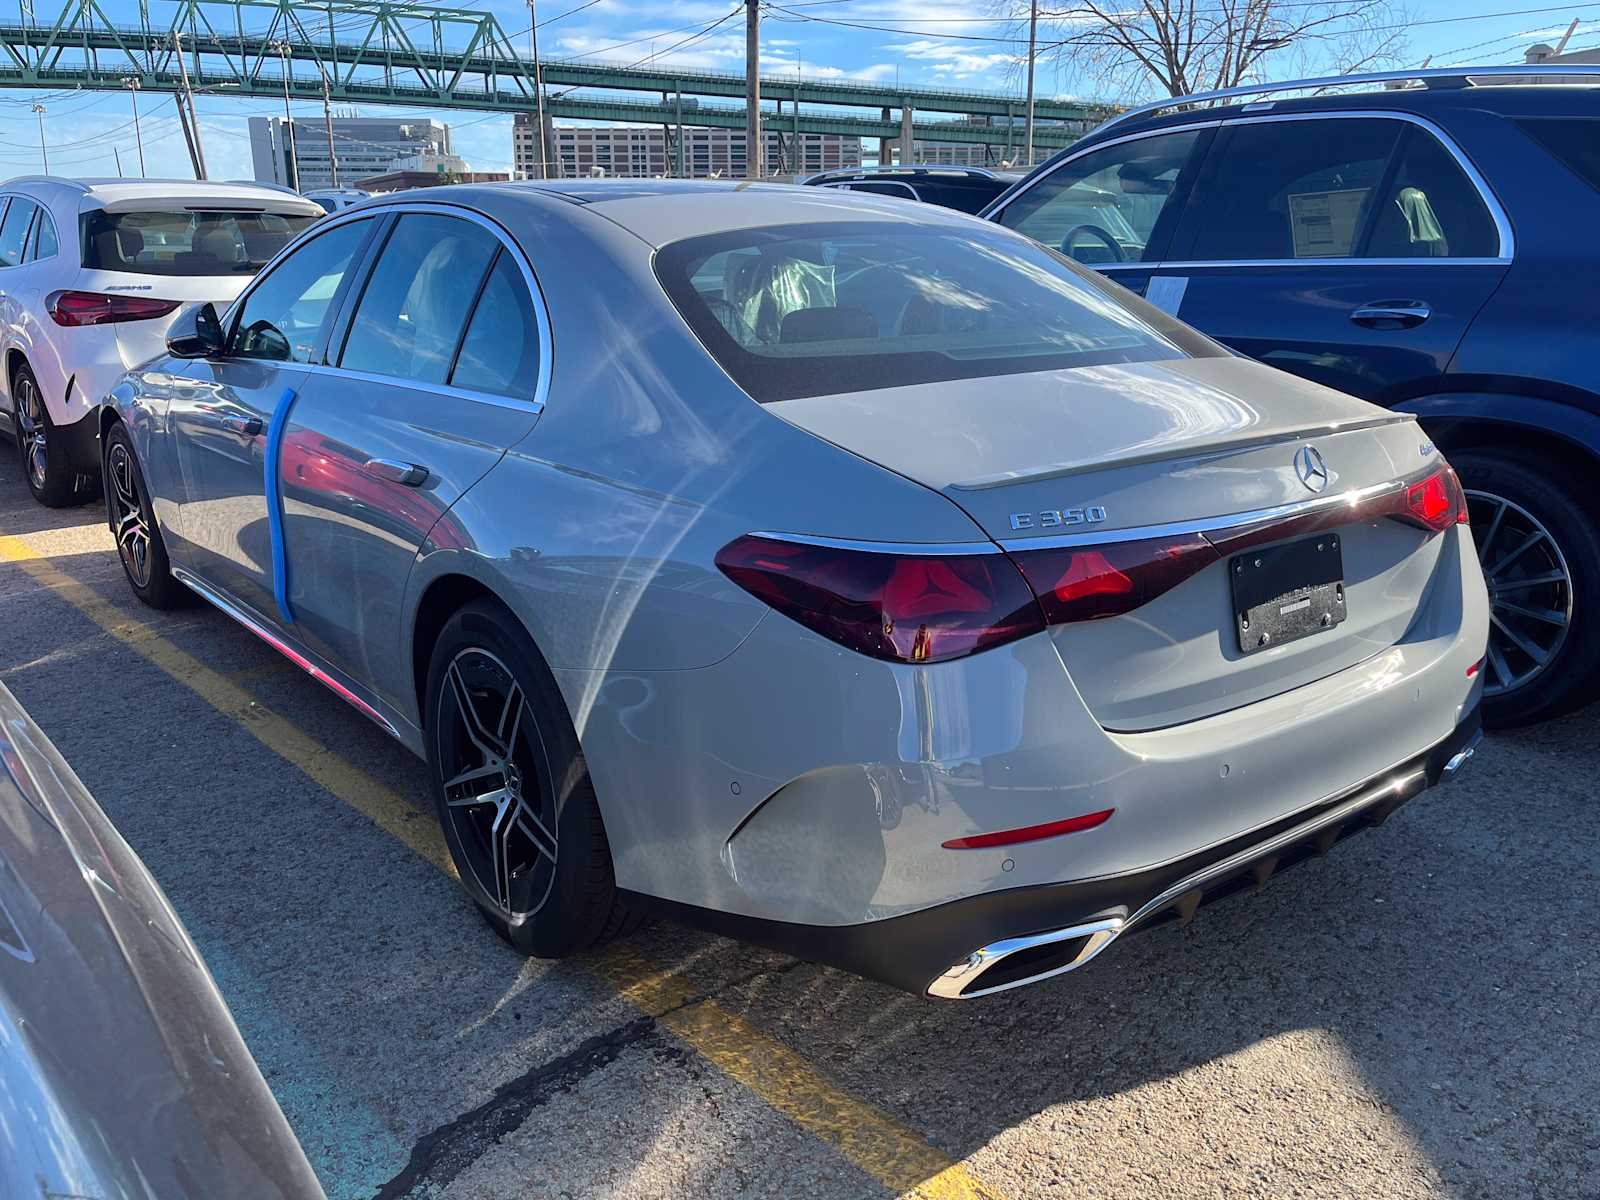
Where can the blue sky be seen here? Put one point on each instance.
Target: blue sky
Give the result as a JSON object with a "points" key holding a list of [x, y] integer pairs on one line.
{"points": [[921, 46]]}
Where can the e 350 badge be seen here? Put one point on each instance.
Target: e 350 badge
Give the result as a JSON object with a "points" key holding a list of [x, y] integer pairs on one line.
{"points": [[1055, 518]]}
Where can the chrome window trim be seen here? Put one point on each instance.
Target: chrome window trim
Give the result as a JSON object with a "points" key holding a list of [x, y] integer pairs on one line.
{"points": [[1497, 212], [1257, 516], [908, 548], [541, 311]]}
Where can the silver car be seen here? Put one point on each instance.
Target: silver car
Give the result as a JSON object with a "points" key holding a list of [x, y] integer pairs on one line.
{"points": [[866, 581], [122, 1074]]}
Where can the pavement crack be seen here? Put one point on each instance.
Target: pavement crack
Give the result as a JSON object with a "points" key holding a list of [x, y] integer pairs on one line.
{"points": [[439, 1157]]}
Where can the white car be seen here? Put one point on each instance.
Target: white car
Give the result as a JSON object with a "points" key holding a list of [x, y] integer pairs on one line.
{"points": [[92, 272], [332, 200]]}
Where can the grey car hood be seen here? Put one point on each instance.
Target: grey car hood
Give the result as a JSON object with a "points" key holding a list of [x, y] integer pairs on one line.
{"points": [[980, 433]]}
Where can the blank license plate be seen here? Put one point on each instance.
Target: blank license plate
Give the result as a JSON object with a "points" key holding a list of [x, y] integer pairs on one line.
{"points": [[1288, 592]]}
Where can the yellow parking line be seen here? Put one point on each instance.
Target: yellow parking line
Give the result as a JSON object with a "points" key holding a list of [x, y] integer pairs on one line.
{"points": [[878, 1143]]}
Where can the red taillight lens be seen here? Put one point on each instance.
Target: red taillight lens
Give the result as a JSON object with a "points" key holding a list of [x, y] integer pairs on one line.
{"points": [[1085, 582], [98, 308], [899, 607], [1437, 502]]}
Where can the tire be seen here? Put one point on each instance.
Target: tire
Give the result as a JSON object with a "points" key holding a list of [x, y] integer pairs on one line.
{"points": [[43, 452], [132, 520], [1541, 557], [508, 775]]}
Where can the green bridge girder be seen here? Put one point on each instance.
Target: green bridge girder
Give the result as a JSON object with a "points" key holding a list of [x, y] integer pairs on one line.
{"points": [[375, 52]]}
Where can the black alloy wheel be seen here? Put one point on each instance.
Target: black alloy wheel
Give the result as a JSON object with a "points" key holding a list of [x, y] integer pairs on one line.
{"points": [[129, 513]]}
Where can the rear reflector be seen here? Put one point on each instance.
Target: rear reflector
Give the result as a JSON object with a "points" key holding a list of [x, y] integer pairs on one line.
{"points": [[1030, 833], [98, 308], [898, 607]]}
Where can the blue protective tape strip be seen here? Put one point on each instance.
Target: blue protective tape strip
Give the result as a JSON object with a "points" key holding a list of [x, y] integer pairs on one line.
{"points": [[274, 495]]}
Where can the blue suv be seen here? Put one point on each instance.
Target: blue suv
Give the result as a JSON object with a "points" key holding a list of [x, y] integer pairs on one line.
{"points": [[1428, 244]]}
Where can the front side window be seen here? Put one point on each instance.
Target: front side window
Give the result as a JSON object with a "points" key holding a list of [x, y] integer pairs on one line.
{"points": [[414, 307], [1290, 189], [14, 230], [810, 310], [283, 316], [1105, 206], [185, 242]]}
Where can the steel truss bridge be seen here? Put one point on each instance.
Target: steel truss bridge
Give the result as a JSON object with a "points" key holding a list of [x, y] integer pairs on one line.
{"points": [[373, 52]]}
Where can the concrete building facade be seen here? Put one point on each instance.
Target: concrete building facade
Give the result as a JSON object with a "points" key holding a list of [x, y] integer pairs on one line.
{"points": [[641, 151], [364, 146]]}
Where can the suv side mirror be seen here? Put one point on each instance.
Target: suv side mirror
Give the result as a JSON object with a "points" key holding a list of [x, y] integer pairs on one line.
{"points": [[197, 333]]}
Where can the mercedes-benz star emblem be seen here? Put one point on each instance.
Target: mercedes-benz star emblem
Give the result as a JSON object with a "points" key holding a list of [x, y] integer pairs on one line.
{"points": [[1309, 466]]}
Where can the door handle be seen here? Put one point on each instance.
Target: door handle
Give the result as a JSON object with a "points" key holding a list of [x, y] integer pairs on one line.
{"points": [[388, 469], [1392, 314], [243, 426]]}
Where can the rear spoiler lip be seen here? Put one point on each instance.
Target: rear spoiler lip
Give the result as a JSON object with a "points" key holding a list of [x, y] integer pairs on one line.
{"points": [[1221, 445]]}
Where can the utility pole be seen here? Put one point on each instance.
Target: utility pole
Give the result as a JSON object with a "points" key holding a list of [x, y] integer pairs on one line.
{"points": [[43, 153], [117, 158], [755, 140], [288, 120], [539, 171], [1565, 38], [1033, 48], [196, 151], [138, 136], [327, 121]]}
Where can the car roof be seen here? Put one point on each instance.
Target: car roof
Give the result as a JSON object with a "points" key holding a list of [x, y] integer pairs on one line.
{"points": [[110, 192], [1439, 100], [659, 211]]}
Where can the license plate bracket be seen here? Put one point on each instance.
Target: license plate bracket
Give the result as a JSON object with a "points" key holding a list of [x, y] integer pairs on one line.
{"points": [[1287, 592]]}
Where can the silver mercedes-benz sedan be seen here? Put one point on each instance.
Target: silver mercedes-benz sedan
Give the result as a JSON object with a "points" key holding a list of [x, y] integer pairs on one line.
{"points": [[863, 580]]}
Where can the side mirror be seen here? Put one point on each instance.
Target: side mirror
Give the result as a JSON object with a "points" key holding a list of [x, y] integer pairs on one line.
{"points": [[197, 333]]}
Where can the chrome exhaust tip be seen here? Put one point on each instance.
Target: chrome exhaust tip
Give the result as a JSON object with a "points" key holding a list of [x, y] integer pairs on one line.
{"points": [[1015, 962], [1460, 757]]}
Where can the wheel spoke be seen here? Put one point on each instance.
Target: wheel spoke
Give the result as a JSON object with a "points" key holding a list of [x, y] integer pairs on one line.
{"points": [[510, 720], [476, 731], [1508, 585], [543, 840], [497, 795], [500, 852], [1548, 615], [1497, 664], [1538, 655], [1527, 543], [1494, 528], [473, 775]]}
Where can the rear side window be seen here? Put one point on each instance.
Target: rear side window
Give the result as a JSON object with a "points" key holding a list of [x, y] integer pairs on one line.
{"points": [[1290, 189], [811, 310], [14, 230], [415, 304], [1575, 141], [1430, 208], [283, 316], [1106, 206], [500, 352], [186, 242], [44, 237]]}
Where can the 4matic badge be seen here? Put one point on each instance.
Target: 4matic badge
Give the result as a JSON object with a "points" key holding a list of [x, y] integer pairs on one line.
{"points": [[1054, 518]]}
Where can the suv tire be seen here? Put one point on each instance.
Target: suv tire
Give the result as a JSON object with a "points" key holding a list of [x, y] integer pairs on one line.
{"points": [[1544, 637], [45, 463]]}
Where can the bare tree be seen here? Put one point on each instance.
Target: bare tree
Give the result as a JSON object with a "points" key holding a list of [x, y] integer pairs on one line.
{"points": [[1185, 46]]}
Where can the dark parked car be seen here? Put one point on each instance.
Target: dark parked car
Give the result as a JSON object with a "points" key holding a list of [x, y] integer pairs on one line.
{"points": [[967, 189], [1423, 244], [122, 1074]]}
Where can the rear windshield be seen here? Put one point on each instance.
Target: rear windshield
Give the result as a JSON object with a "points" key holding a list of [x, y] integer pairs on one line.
{"points": [[210, 242], [814, 310]]}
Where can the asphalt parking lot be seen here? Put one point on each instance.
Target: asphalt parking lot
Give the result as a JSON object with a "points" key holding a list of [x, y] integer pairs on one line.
{"points": [[1411, 1017]]}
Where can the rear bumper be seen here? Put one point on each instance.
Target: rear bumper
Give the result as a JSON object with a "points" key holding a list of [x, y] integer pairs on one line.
{"points": [[1000, 940]]}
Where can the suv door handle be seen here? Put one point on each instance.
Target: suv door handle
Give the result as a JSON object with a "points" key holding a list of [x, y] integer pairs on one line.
{"points": [[388, 469], [243, 426], [1392, 314]]}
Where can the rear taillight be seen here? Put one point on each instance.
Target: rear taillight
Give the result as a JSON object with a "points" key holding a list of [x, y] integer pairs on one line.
{"points": [[899, 607], [99, 308], [1084, 582], [1437, 502]]}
